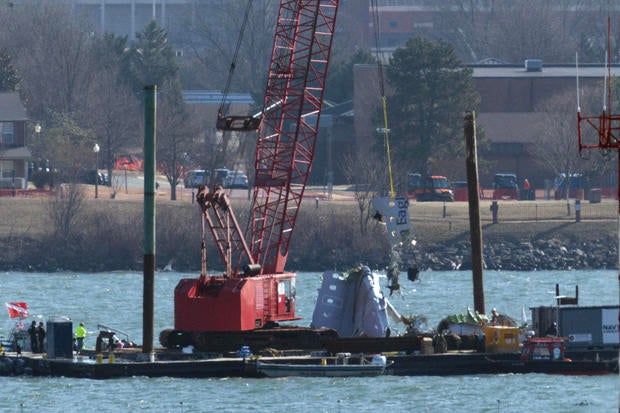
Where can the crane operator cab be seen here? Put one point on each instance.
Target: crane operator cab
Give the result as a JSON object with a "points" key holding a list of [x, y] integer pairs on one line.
{"points": [[286, 295], [237, 123]]}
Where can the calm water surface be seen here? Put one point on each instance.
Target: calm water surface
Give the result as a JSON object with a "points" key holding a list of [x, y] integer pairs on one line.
{"points": [[115, 299]]}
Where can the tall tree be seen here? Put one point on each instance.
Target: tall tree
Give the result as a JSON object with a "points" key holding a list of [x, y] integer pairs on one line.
{"points": [[113, 111], [176, 132], [557, 147], [65, 144], [151, 59], [364, 173], [215, 48], [431, 92], [340, 77], [113, 114], [515, 30], [52, 50], [9, 76]]}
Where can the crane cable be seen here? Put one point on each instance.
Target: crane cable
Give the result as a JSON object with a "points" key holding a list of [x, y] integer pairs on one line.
{"points": [[386, 131], [233, 64]]}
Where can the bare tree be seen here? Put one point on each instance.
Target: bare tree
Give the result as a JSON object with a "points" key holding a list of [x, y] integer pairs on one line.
{"points": [[113, 113], [215, 47], [557, 147], [364, 173], [52, 52], [514, 30], [176, 130], [64, 210], [558, 138]]}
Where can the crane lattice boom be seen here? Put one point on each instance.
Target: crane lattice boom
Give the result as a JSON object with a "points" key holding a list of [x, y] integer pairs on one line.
{"points": [[287, 135]]}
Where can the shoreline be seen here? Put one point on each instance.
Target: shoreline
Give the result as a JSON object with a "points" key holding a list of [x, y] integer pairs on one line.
{"points": [[106, 235]]}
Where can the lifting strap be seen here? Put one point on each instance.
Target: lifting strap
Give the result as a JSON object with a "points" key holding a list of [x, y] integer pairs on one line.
{"points": [[235, 122], [375, 12]]}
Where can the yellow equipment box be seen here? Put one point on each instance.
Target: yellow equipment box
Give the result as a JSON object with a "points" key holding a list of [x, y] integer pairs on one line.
{"points": [[501, 339]]}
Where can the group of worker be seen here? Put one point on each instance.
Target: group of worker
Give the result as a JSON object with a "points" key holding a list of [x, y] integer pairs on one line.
{"points": [[37, 337]]}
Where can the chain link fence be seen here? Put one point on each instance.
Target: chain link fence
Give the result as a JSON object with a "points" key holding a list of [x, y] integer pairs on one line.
{"points": [[527, 211]]}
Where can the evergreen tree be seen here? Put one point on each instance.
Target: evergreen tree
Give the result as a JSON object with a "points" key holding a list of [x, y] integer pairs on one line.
{"points": [[432, 89], [340, 77], [110, 50], [151, 59], [9, 77]]}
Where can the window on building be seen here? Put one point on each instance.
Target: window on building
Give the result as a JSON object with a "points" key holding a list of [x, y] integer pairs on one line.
{"points": [[7, 132], [7, 168]]}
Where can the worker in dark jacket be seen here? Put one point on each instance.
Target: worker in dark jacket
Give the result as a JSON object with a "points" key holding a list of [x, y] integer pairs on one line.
{"points": [[552, 331], [41, 334], [34, 337]]}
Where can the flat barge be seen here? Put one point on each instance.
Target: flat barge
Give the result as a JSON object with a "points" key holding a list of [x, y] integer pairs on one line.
{"points": [[166, 364]]}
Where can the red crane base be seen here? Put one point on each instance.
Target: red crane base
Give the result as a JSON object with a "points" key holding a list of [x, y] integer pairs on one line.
{"points": [[233, 304]]}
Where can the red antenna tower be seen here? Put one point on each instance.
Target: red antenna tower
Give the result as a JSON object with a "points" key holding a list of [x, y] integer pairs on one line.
{"points": [[607, 126]]}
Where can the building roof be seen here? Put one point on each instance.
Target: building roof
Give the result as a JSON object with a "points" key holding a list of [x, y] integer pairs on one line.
{"points": [[21, 152], [11, 107], [548, 71], [215, 97]]}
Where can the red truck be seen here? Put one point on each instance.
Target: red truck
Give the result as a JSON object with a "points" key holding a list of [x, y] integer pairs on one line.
{"points": [[432, 188], [505, 187]]}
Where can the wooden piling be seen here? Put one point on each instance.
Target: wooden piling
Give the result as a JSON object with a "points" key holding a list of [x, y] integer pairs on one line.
{"points": [[148, 305], [474, 210]]}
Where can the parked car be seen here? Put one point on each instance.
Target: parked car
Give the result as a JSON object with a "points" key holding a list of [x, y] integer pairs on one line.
{"points": [[219, 176], [236, 179], [90, 176], [196, 177], [505, 186], [577, 185]]}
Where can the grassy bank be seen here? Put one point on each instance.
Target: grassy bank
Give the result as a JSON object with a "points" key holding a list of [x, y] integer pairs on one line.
{"points": [[107, 233]]}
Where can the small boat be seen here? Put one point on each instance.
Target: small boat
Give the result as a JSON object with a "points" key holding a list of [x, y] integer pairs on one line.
{"points": [[328, 367], [546, 355]]}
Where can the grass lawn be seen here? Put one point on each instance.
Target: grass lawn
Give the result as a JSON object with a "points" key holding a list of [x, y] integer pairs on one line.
{"points": [[432, 221]]}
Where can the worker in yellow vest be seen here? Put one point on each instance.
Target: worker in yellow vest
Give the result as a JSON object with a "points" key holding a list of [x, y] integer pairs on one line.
{"points": [[80, 334]]}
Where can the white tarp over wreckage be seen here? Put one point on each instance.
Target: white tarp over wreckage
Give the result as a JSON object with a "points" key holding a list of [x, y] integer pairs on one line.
{"points": [[352, 304]]}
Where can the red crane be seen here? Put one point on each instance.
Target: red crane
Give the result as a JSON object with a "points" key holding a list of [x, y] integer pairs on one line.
{"points": [[255, 291]]}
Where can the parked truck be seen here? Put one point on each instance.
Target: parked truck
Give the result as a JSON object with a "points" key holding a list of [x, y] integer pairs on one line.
{"points": [[505, 186], [432, 188]]}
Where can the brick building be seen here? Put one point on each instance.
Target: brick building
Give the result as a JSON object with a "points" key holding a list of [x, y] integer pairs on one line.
{"points": [[507, 114]]}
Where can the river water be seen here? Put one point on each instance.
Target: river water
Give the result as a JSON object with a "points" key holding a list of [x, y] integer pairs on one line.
{"points": [[115, 299]]}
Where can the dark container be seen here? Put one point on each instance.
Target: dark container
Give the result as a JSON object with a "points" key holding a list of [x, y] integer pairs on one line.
{"points": [[59, 337]]}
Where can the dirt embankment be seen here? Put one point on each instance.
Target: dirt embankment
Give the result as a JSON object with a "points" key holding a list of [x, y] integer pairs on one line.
{"points": [[106, 234]]}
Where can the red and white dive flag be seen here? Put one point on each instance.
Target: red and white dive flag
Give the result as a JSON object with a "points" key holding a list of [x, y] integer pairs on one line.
{"points": [[17, 310]]}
